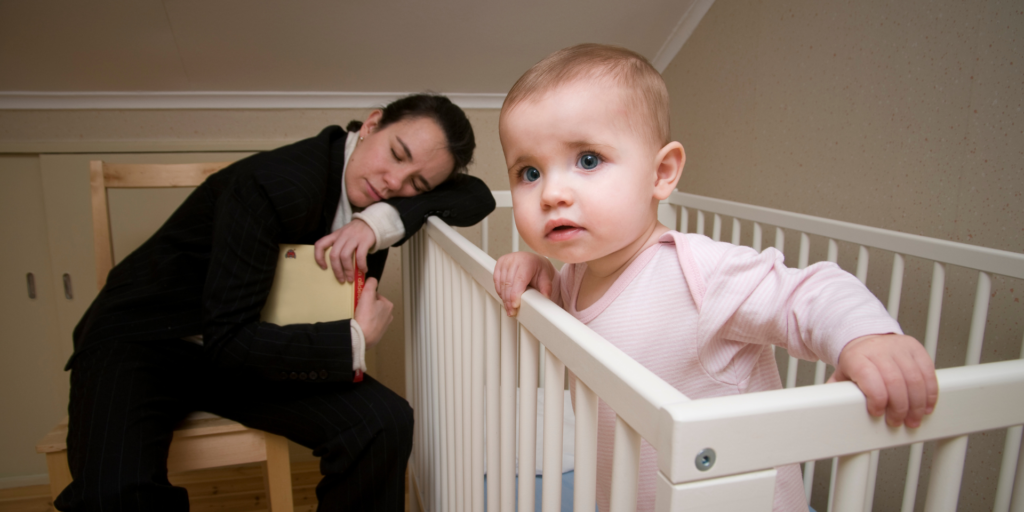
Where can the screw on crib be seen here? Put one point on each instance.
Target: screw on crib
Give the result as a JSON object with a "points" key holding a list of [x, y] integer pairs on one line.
{"points": [[705, 459]]}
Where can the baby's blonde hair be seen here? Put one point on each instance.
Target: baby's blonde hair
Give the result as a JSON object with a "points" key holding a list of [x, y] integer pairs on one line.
{"points": [[644, 89]]}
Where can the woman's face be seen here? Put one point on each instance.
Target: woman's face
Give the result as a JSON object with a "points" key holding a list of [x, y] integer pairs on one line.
{"points": [[406, 158]]}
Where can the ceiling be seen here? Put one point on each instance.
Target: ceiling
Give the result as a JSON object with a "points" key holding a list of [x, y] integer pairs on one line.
{"points": [[185, 46]]}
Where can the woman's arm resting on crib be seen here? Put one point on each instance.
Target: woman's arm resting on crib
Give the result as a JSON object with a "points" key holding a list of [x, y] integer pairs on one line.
{"points": [[895, 374], [514, 272]]}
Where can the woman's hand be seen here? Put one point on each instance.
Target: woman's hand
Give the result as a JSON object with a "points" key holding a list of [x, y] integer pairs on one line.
{"points": [[356, 238], [373, 313]]}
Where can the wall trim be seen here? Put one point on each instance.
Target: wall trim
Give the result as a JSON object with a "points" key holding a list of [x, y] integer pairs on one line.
{"points": [[12, 482], [687, 24], [77, 146], [28, 100]]}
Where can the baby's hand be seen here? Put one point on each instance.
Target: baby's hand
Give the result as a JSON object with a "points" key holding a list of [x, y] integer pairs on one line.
{"points": [[515, 271], [895, 374]]}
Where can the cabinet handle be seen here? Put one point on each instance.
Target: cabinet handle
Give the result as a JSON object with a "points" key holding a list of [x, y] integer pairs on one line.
{"points": [[67, 287], [31, 285]]}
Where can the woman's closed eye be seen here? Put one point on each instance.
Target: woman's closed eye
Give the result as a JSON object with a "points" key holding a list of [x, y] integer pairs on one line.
{"points": [[588, 161]]}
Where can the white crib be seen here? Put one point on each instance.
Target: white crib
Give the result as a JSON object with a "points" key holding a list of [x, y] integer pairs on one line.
{"points": [[713, 454]]}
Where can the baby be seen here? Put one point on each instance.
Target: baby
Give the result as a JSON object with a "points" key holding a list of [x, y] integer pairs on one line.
{"points": [[585, 134]]}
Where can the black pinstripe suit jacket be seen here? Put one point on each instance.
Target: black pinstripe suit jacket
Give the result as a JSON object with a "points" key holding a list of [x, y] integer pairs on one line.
{"points": [[209, 268]]}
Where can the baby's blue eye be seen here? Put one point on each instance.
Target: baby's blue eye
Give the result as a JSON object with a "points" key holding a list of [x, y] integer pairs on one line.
{"points": [[589, 161], [531, 174]]}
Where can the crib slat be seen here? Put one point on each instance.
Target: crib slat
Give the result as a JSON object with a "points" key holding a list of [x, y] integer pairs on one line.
{"points": [[756, 242], [869, 492], [625, 467], [805, 250], [862, 264], [509, 330], [478, 345], [780, 240], [931, 343], [554, 384], [437, 362], [449, 385], [700, 222], [944, 485], [684, 219], [931, 334], [458, 386], [832, 483], [947, 471], [851, 482], [468, 405], [735, 231], [493, 346], [977, 333], [1017, 502], [895, 286], [584, 497], [1011, 453], [716, 230], [484, 234], [529, 352], [1012, 470], [791, 369]]}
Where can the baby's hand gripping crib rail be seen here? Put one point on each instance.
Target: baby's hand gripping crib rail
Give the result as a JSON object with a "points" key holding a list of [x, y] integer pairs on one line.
{"points": [[713, 454]]}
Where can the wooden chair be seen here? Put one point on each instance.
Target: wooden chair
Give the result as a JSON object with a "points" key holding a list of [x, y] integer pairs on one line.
{"points": [[202, 440]]}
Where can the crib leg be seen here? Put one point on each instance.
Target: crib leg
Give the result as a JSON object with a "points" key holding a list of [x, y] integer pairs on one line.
{"points": [[737, 493]]}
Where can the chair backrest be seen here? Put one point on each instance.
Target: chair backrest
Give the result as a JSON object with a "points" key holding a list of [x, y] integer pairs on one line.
{"points": [[104, 175]]}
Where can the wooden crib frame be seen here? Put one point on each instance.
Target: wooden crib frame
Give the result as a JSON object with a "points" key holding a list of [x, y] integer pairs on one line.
{"points": [[713, 454]]}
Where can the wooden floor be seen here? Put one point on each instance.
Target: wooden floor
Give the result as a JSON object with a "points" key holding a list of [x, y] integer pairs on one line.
{"points": [[234, 489]]}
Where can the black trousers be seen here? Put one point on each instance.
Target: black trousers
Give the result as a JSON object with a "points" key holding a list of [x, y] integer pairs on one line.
{"points": [[126, 399]]}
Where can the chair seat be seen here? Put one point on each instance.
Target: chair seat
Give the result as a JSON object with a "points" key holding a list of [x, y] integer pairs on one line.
{"points": [[201, 440]]}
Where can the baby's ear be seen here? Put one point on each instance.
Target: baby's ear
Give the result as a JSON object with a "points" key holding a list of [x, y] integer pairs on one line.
{"points": [[668, 169]]}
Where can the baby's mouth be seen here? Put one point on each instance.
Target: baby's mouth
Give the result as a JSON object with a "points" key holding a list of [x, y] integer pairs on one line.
{"points": [[562, 230]]}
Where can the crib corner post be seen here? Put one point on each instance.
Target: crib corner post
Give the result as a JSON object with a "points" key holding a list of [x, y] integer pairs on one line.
{"points": [[735, 493]]}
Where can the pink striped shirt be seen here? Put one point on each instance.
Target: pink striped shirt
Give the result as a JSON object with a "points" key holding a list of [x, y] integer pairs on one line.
{"points": [[703, 315]]}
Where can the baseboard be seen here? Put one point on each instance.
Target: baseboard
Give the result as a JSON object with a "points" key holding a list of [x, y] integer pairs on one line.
{"points": [[24, 481]]}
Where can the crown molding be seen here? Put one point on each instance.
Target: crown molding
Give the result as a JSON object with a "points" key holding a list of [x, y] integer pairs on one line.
{"points": [[687, 24], [27, 100]]}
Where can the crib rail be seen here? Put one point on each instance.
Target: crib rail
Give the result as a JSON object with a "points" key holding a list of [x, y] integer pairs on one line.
{"points": [[814, 422], [461, 347], [942, 253]]}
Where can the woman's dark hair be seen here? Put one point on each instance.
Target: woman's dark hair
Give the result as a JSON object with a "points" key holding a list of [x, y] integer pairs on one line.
{"points": [[447, 115]]}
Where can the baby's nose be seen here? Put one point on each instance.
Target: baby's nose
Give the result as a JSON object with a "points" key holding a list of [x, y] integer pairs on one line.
{"points": [[556, 193]]}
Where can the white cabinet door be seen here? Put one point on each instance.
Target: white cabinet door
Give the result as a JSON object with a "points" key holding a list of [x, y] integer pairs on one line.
{"points": [[34, 395]]}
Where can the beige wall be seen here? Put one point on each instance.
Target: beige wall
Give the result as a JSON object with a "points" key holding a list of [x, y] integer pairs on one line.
{"points": [[901, 115]]}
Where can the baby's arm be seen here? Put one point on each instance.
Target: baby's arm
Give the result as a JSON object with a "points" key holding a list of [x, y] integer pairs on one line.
{"points": [[895, 374], [514, 272], [822, 312]]}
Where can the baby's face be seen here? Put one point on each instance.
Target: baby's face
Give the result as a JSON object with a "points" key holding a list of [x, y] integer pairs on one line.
{"points": [[581, 175]]}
